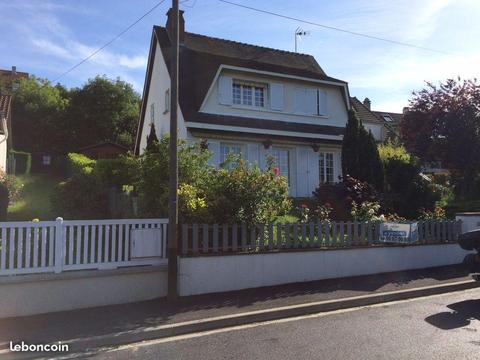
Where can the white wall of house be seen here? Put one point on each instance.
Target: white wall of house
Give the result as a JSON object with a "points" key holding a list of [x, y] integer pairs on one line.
{"points": [[378, 131], [158, 103], [281, 100], [303, 161], [249, 271]]}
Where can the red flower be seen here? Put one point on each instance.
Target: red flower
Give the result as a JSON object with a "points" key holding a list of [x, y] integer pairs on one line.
{"points": [[304, 206], [276, 171], [328, 205]]}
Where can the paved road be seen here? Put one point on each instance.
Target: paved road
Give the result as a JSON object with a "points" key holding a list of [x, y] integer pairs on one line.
{"points": [[439, 327]]}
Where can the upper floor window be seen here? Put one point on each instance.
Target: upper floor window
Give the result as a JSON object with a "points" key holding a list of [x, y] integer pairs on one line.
{"points": [[226, 149], [325, 163], [248, 94]]}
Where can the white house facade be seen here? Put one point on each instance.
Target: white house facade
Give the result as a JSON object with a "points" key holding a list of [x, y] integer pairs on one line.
{"points": [[253, 101]]}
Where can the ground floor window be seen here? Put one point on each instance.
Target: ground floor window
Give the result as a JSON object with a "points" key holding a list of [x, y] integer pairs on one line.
{"points": [[325, 163], [225, 150], [282, 161]]}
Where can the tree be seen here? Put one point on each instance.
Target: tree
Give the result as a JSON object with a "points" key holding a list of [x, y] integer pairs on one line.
{"points": [[38, 110], [152, 139], [360, 158], [103, 110], [443, 123], [350, 146]]}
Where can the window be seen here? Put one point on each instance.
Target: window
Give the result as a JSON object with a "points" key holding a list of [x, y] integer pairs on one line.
{"points": [[387, 118], [167, 101], [46, 160], [248, 94], [325, 163], [152, 113], [225, 150], [282, 161]]}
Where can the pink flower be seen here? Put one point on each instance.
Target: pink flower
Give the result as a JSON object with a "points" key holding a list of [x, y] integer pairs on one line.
{"points": [[276, 171]]}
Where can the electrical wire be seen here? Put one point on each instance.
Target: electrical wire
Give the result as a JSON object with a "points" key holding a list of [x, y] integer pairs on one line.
{"points": [[336, 28], [109, 42]]}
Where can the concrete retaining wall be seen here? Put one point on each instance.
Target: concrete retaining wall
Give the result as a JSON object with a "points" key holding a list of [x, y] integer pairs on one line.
{"points": [[42, 293], [200, 275]]}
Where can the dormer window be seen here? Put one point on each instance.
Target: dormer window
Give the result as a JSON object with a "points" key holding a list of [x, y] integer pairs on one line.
{"points": [[248, 94], [387, 118]]}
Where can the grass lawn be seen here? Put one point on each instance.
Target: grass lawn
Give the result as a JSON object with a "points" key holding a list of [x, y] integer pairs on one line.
{"points": [[35, 198]]}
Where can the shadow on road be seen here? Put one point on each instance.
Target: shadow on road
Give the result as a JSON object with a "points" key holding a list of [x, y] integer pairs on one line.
{"points": [[462, 314]]}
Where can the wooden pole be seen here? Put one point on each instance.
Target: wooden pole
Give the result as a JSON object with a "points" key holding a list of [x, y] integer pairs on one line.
{"points": [[173, 191]]}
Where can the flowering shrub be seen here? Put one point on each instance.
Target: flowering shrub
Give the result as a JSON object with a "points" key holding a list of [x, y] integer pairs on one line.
{"points": [[366, 211], [436, 214], [238, 193], [323, 212], [14, 186], [304, 213]]}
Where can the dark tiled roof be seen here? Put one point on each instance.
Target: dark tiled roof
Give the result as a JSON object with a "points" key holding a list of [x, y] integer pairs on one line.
{"points": [[268, 124], [364, 113], [201, 57], [397, 117]]}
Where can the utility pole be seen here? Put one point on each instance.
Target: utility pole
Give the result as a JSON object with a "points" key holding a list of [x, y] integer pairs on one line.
{"points": [[173, 168]]}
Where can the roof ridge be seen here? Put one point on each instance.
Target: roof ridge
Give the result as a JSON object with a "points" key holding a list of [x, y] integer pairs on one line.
{"points": [[242, 43]]}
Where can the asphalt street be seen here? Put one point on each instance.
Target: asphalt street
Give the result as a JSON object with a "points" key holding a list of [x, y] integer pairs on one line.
{"points": [[439, 327]]}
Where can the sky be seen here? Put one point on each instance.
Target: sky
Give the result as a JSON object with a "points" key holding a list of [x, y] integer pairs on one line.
{"points": [[47, 37]]}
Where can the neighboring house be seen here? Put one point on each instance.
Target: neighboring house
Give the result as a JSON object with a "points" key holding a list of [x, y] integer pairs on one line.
{"points": [[104, 150], [5, 125], [369, 119], [10, 78], [249, 100], [390, 121]]}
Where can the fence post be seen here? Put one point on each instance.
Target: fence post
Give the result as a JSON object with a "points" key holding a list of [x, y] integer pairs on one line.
{"points": [[59, 241]]}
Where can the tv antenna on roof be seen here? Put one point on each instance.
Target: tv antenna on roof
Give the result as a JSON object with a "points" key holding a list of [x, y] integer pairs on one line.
{"points": [[299, 32]]}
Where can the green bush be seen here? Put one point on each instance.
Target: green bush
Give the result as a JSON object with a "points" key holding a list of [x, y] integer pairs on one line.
{"points": [[81, 197], [86, 193], [407, 192], [240, 193], [80, 164]]}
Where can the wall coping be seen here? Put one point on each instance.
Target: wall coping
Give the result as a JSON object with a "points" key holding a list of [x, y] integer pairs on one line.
{"points": [[312, 249], [78, 274], [471, 213]]}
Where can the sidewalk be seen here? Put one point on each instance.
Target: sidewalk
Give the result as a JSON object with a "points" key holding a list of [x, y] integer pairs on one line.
{"points": [[78, 326]]}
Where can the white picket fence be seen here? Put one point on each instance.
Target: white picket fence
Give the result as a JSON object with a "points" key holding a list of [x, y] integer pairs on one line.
{"points": [[61, 245]]}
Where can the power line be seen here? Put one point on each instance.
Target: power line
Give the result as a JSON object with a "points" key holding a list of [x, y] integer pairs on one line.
{"points": [[336, 28], [110, 42]]}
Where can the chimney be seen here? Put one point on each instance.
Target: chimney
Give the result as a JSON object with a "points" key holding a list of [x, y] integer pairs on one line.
{"points": [[14, 70], [367, 103], [181, 25]]}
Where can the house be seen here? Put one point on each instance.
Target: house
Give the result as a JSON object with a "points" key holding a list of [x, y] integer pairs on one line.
{"points": [[370, 120], [250, 100], [5, 121], [9, 78], [104, 150]]}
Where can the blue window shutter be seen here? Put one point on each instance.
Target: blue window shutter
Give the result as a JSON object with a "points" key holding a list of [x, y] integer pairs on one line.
{"points": [[276, 97], [225, 90], [322, 95]]}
